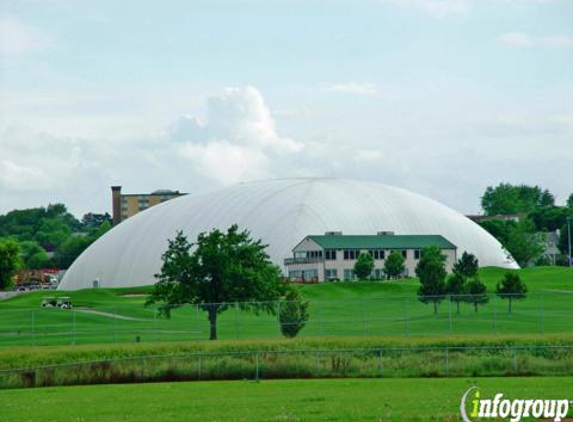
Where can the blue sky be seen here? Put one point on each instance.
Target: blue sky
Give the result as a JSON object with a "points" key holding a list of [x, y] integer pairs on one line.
{"points": [[443, 97]]}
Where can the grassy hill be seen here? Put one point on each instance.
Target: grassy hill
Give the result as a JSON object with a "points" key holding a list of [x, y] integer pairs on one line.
{"points": [[360, 309]]}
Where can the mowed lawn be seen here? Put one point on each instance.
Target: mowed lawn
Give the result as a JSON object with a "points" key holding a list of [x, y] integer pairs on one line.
{"points": [[385, 308], [292, 400]]}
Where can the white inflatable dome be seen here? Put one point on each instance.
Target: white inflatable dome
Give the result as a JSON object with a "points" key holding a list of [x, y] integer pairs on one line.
{"points": [[281, 212]]}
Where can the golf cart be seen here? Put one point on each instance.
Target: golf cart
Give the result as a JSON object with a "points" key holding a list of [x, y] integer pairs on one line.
{"points": [[64, 302], [49, 302]]}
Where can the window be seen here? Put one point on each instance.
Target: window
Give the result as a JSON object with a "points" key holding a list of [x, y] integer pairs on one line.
{"points": [[314, 254], [330, 273], [350, 254], [405, 253], [377, 253], [330, 254], [348, 275], [417, 254], [295, 274]]}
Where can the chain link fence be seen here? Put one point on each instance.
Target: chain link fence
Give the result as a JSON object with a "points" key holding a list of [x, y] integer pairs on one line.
{"points": [[541, 313], [389, 362]]}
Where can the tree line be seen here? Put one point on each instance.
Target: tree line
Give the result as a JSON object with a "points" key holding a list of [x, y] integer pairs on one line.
{"points": [[525, 237], [45, 237]]}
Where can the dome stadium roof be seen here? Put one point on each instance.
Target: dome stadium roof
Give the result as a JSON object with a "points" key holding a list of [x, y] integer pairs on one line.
{"points": [[281, 213]]}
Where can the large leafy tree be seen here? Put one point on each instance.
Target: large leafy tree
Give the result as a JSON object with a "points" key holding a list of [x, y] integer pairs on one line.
{"points": [[219, 269], [524, 244], [569, 202], [431, 270], [511, 288], [364, 266], [394, 265], [509, 199], [10, 262]]}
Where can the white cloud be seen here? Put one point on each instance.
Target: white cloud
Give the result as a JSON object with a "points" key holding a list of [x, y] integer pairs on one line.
{"points": [[516, 39], [436, 8], [237, 141], [241, 116], [227, 163], [17, 37], [353, 88], [522, 40]]}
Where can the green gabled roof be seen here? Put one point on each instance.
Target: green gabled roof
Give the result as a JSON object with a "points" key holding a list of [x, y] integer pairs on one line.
{"points": [[381, 241]]}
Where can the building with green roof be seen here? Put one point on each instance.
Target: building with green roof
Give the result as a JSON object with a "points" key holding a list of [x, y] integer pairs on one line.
{"points": [[332, 256]]}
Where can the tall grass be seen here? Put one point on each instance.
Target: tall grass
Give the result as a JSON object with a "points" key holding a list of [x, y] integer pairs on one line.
{"points": [[334, 358]]}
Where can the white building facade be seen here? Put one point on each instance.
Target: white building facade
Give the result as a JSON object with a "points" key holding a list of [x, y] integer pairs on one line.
{"points": [[332, 256]]}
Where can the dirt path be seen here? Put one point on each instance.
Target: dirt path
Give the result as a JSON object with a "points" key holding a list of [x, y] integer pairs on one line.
{"points": [[110, 315]]}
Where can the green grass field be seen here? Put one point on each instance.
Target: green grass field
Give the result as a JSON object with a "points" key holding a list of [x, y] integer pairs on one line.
{"points": [[290, 400], [361, 309]]}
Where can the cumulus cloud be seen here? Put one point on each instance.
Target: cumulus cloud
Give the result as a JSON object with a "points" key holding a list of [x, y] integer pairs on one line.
{"points": [[522, 40], [436, 8], [236, 141], [353, 88], [17, 37]]}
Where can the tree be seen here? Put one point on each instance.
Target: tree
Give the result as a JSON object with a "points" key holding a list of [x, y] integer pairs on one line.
{"points": [[548, 219], [431, 270], [10, 262], [33, 255], [500, 229], [467, 265], [70, 249], [394, 265], [476, 292], [564, 238], [511, 288], [222, 268], [93, 221], [364, 266], [524, 244], [293, 313], [509, 199], [570, 201], [455, 288]]}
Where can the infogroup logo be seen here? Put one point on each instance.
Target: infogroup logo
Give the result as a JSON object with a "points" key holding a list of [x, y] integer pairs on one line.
{"points": [[514, 410]]}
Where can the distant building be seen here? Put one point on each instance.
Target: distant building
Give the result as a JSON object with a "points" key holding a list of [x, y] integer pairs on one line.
{"points": [[333, 255], [125, 205]]}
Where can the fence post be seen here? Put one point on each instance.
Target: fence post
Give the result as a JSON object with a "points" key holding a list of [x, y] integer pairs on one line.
{"points": [[447, 353], [406, 316], [279, 316], [449, 298], [114, 324], [363, 320], [73, 326], [257, 366], [237, 320], [33, 328], [541, 314], [494, 303], [514, 361], [154, 325]]}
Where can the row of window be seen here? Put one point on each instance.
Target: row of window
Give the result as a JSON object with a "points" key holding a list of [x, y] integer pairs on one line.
{"points": [[351, 254], [331, 274], [303, 274]]}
